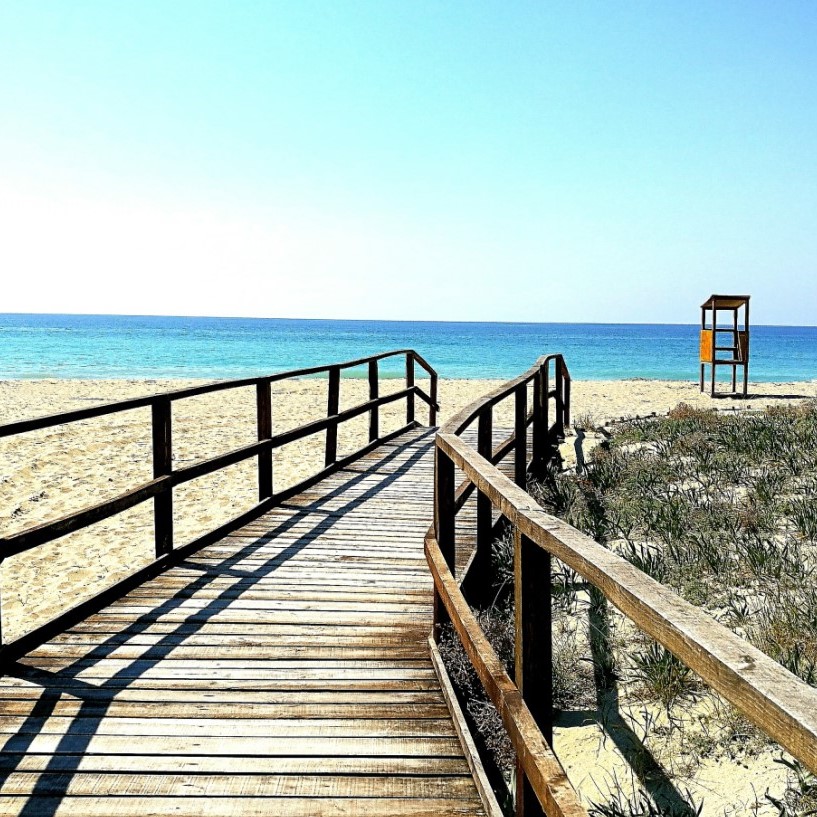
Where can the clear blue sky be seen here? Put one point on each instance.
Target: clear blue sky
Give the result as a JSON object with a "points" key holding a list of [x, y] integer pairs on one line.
{"points": [[527, 161]]}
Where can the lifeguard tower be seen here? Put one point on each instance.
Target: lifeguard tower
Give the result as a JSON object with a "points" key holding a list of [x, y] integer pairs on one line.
{"points": [[731, 340]]}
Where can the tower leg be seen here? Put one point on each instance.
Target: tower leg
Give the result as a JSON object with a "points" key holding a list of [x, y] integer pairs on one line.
{"points": [[714, 347]]}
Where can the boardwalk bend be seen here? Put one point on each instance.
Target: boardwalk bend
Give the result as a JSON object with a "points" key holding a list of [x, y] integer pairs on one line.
{"points": [[286, 663]]}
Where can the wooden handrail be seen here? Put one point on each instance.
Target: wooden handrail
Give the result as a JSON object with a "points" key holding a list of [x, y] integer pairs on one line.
{"points": [[22, 426], [777, 701], [47, 532], [542, 786], [165, 478], [536, 757]]}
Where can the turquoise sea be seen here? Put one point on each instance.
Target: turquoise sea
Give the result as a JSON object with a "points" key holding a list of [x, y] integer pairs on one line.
{"points": [[106, 346]]}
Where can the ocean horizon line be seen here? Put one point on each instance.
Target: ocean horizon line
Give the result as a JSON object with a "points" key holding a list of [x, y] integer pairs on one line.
{"points": [[382, 320]]}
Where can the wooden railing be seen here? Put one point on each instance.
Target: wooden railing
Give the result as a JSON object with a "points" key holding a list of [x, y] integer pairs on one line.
{"points": [[166, 478], [774, 699]]}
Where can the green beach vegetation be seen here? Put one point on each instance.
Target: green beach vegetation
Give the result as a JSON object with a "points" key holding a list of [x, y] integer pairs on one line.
{"points": [[722, 508]]}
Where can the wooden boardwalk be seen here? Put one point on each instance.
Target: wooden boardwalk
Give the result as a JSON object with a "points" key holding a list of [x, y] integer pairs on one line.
{"points": [[283, 670]]}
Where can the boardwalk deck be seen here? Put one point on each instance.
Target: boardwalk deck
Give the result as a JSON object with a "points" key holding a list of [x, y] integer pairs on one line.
{"points": [[283, 670]]}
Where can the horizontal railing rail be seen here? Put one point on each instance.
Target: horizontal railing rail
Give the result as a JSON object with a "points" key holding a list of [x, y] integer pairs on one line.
{"points": [[525, 703], [778, 702], [21, 426], [166, 478]]}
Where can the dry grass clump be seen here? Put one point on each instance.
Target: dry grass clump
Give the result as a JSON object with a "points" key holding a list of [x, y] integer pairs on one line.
{"points": [[640, 805], [730, 502], [723, 509]]}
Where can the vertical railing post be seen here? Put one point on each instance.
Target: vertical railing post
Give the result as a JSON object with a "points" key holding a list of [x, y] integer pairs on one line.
{"points": [[409, 385], [432, 409], [566, 395], [263, 399], [520, 430], [162, 466], [374, 393], [332, 407], [539, 421], [546, 407], [533, 651], [485, 448], [477, 582], [559, 389], [444, 523]]}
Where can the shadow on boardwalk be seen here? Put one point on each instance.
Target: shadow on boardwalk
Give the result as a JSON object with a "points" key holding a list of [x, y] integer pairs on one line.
{"points": [[95, 700]]}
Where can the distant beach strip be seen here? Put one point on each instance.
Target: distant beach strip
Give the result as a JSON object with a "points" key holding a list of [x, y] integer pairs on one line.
{"points": [[113, 347]]}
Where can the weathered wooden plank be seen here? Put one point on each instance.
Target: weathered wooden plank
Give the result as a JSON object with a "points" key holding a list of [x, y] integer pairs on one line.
{"points": [[248, 746], [329, 617], [304, 636], [286, 682], [190, 728], [126, 784], [204, 764], [262, 669], [100, 630], [233, 807], [281, 670], [223, 710], [271, 601]]}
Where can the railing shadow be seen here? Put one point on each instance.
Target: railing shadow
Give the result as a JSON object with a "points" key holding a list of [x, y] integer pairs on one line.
{"points": [[638, 757], [50, 789]]}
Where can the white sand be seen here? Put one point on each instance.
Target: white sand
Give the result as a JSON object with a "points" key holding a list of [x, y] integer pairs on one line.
{"points": [[49, 473]]}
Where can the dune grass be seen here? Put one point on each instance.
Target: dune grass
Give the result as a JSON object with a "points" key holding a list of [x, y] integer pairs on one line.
{"points": [[722, 508]]}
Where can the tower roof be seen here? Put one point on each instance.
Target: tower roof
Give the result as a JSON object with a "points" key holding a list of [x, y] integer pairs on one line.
{"points": [[725, 302]]}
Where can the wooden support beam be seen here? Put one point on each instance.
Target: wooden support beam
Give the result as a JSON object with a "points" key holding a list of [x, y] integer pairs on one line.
{"points": [[409, 385], [432, 408], [533, 652], [477, 583], [534, 632], [520, 430], [332, 406], [264, 410], [565, 395], [162, 466], [540, 431], [746, 355], [713, 366], [560, 403], [444, 523], [374, 393]]}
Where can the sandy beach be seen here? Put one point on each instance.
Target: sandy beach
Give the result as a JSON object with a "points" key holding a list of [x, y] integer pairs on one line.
{"points": [[49, 473]]}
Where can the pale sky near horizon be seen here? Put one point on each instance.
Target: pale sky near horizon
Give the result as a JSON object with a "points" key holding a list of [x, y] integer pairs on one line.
{"points": [[513, 161]]}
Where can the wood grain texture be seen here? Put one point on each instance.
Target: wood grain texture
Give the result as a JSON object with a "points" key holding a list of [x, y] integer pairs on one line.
{"points": [[283, 669], [774, 699], [166, 477]]}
